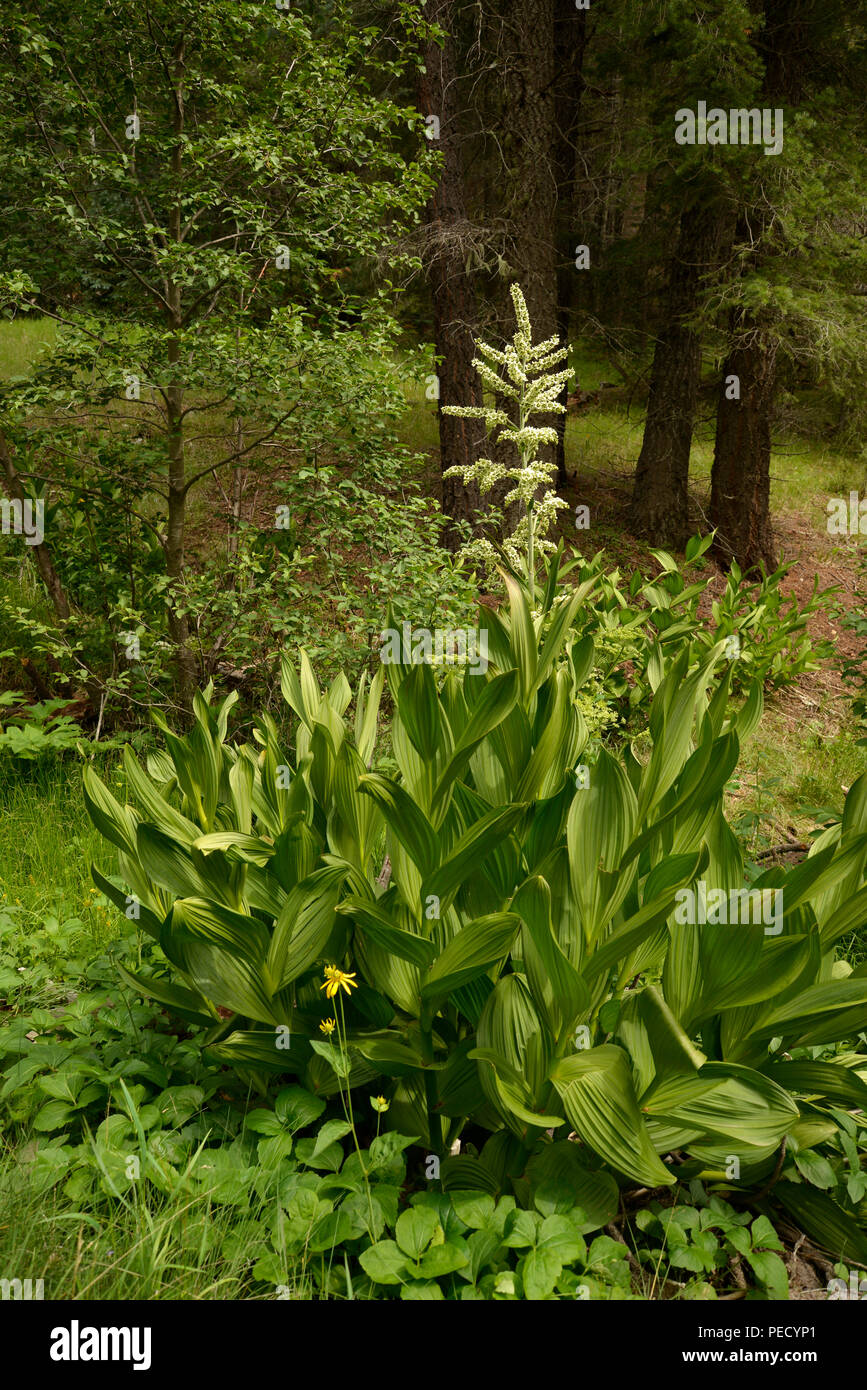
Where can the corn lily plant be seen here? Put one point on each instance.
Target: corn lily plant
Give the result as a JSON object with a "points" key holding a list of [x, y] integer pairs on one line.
{"points": [[509, 907]]}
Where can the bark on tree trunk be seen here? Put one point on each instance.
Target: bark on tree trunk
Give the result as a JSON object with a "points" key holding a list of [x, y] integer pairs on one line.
{"points": [[452, 294], [570, 39], [660, 495], [529, 78], [740, 481], [740, 478]]}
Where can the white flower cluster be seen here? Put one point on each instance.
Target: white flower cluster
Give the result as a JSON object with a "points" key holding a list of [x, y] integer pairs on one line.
{"points": [[526, 375]]}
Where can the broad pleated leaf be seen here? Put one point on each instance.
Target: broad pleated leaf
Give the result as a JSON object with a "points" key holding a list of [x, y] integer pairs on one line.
{"points": [[596, 1089]]}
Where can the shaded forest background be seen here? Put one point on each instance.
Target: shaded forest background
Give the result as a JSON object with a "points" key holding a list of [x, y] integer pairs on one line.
{"points": [[246, 257]]}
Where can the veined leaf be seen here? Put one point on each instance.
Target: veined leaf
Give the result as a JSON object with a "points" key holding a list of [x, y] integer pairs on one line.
{"points": [[490, 709], [824, 1222], [418, 709], [831, 1080], [302, 930], [817, 1013], [159, 811], [470, 851], [478, 946], [596, 1089], [405, 820], [746, 1106], [599, 827], [523, 636], [183, 1002], [113, 821], [371, 920], [555, 983], [247, 847]]}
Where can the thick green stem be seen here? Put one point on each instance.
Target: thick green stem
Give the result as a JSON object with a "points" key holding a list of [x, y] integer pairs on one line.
{"points": [[434, 1123], [531, 536]]}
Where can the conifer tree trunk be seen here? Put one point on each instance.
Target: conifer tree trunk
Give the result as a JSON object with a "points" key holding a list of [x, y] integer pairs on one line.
{"points": [[570, 41], [740, 478], [452, 294], [740, 482], [660, 497], [528, 140]]}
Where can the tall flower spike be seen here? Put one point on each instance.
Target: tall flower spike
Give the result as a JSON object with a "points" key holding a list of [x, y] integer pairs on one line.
{"points": [[526, 376], [521, 313]]}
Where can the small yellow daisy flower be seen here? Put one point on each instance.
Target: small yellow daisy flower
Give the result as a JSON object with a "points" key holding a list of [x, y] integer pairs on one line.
{"points": [[379, 1104], [335, 980], [327, 1025]]}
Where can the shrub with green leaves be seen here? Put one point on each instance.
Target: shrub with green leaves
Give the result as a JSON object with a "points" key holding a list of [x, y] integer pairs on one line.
{"points": [[639, 627]]}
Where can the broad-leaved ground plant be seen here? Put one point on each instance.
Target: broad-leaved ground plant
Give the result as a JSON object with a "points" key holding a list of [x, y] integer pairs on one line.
{"points": [[497, 934]]}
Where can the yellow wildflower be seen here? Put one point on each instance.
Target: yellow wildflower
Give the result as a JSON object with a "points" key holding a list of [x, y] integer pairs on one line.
{"points": [[336, 979], [327, 1025], [379, 1104]]}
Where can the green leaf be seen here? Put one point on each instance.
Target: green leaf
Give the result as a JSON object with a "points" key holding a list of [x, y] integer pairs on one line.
{"points": [[521, 1229], [491, 708], [183, 1002], [596, 1089], [770, 1272], [247, 847], [259, 1048], [330, 1232], [816, 1169], [523, 636], [595, 1194], [385, 1263], [53, 1115], [560, 625], [470, 852], [559, 1234], [169, 863], [415, 1230], [373, 921], [475, 1211], [418, 710], [417, 1292], [540, 1271], [823, 1221], [334, 1055], [465, 1173], [822, 1013], [263, 1122], [304, 926], [114, 822], [197, 919], [328, 1159], [598, 830], [330, 1131], [147, 920], [406, 821], [481, 944], [725, 1101], [229, 980], [829, 1079], [442, 1259], [639, 927], [557, 990], [296, 1108], [156, 807]]}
